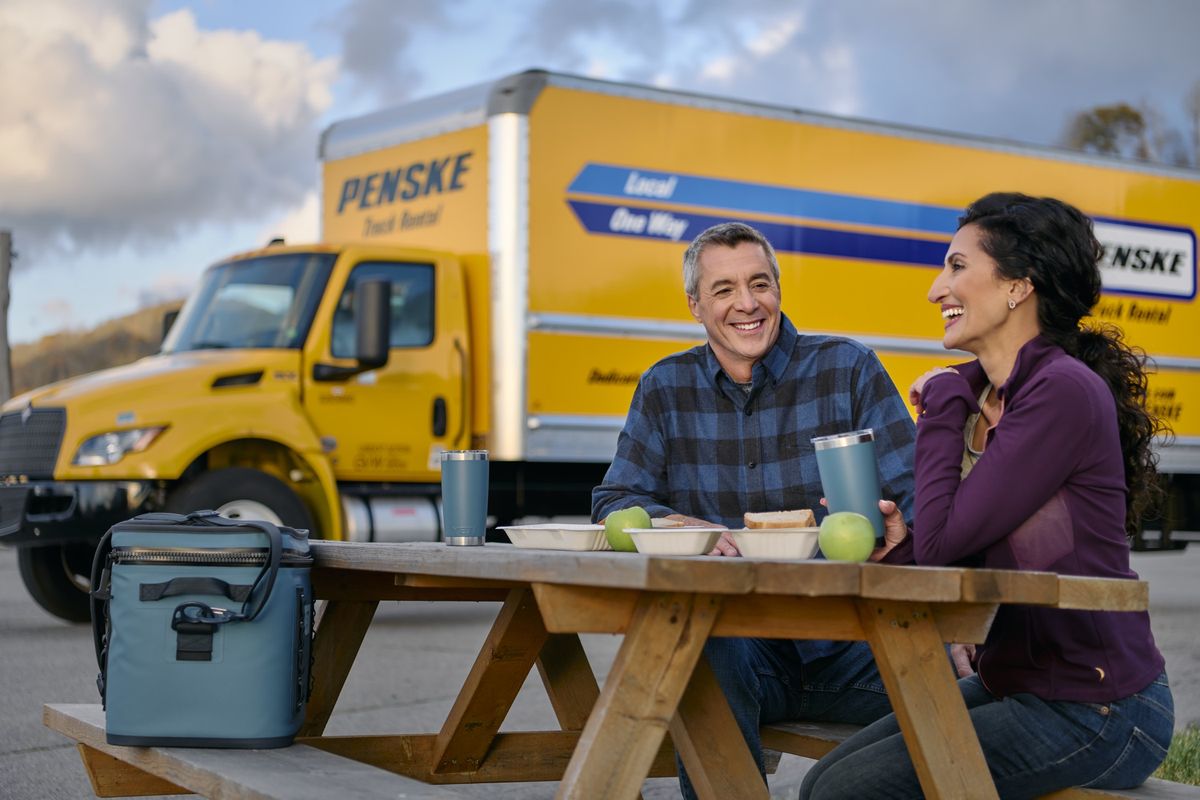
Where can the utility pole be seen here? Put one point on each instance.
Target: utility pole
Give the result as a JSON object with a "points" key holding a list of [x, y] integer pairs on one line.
{"points": [[5, 360]]}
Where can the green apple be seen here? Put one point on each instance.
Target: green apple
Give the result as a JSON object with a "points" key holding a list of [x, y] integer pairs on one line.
{"points": [[846, 536], [616, 523]]}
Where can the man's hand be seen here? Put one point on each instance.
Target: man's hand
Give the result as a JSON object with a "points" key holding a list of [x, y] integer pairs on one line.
{"points": [[725, 546], [702, 523], [894, 529], [961, 656]]}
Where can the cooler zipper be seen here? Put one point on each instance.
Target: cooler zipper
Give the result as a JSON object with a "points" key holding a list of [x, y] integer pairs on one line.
{"points": [[245, 556]]}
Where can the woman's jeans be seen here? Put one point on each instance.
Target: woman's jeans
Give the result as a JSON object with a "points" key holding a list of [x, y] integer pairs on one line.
{"points": [[1032, 746], [765, 680]]}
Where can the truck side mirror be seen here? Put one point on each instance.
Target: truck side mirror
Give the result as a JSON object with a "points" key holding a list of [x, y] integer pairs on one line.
{"points": [[373, 317], [372, 332]]}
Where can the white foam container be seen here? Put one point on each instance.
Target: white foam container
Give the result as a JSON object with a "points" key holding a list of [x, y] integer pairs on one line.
{"points": [[792, 544], [557, 536], [682, 541]]}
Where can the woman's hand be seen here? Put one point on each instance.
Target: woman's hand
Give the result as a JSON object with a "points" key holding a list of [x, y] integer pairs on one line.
{"points": [[914, 391], [961, 656], [894, 529]]}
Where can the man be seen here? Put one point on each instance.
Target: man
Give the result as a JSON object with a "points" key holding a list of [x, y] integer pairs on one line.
{"points": [[725, 428]]}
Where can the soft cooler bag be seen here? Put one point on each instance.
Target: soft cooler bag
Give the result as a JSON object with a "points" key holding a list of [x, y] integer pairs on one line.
{"points": [[203, 629]]}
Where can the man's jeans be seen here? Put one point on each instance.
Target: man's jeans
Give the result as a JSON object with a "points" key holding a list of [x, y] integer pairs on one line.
{"points": [[765, 681], [1032, 746]]}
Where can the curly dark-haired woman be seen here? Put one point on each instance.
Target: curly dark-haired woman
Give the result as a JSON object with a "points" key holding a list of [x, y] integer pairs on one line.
{"points": [[1035, 456]]}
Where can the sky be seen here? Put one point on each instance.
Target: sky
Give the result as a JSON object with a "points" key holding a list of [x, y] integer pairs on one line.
{"points": [[142, 140]]}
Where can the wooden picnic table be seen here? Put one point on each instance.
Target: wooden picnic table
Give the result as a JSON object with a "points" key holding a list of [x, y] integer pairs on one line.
{"points": [[614, 737]]}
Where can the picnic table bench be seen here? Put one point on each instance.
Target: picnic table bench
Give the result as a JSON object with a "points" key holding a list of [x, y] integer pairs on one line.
{"points": [[611, 739]]}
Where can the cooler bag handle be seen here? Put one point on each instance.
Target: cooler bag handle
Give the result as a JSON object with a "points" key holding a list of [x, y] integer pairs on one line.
{"points": [[101, 578], [270, 570], [194, 585]]}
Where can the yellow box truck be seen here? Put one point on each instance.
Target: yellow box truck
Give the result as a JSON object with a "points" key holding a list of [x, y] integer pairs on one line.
{"points": [[499, 266]]}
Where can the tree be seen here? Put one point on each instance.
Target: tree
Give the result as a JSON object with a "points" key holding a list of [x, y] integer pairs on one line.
{"points": [[1142, 132], [1116, 130]]}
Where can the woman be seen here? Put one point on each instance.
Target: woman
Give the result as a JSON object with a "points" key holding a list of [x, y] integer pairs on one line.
{"points": [[1034, 456]]}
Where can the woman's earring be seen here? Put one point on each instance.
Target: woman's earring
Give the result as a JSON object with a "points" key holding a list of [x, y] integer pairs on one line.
{"points": [[1011, 304]]}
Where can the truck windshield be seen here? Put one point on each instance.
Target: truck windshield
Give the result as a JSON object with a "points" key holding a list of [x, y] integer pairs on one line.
{"points": [[257, 302]]}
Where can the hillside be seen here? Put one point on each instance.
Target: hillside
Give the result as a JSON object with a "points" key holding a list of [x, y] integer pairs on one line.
{"points": [[62, 355]]}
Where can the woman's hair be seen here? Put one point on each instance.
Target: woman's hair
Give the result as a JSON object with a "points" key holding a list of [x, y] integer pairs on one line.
{"points": [[1052, 244]]}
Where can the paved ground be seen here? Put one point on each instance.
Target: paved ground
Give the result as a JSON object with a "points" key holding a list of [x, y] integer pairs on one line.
{"points": [[415, 657]]}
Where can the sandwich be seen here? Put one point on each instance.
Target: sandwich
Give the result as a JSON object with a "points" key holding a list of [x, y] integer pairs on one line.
{"points": [[798, 518]]}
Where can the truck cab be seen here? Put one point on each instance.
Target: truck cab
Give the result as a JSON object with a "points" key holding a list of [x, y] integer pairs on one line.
{"points": [[293, 384]]}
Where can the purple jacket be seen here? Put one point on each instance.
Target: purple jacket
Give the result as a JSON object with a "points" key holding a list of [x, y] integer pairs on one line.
{"points": [[1048, 494]]}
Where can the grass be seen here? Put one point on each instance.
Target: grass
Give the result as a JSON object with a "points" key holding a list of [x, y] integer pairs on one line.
{"points": [[1182, 764]]}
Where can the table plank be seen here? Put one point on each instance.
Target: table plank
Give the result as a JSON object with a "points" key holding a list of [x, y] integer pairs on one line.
{"points": [[996, 585], [640, 695], [569, 680], [588, 610], [514, 757], [817, 578], [964, 623], [112, 777], [1110, 594], [454, 583], [349, 584], [780, 617], [283, 773], [920, 684], [581, 609], [502, 562], [710, 744], [504, 661], [929, 584]]}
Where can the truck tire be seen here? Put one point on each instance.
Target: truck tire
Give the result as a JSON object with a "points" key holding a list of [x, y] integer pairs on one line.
{"points": [[58, 577], [242, 493]]}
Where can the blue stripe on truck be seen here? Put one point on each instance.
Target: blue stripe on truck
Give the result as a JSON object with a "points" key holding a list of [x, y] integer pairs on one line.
{"points": [[759, 198], [673, 225]]}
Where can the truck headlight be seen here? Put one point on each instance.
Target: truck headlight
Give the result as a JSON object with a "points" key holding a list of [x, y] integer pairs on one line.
{"points": [[111, 447]]}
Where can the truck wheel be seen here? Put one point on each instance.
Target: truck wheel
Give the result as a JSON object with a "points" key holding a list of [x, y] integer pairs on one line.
{"points": [[242, 493], [58, 578]]}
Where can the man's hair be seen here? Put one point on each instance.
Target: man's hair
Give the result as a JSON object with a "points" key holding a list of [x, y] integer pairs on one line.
{"points": [[726, 234]]}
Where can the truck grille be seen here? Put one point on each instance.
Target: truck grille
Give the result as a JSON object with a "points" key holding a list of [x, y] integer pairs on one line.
{"points": [[29, 441]]}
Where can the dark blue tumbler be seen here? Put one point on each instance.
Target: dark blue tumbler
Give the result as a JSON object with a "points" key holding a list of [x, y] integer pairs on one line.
{"points": [[464, 496], [850, 475]]}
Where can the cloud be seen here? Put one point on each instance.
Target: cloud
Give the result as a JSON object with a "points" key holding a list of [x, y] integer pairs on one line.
{"points": [[627, 37], [1016, 70], [299, 225], [165, 286], [117, 129], [376, 38]]}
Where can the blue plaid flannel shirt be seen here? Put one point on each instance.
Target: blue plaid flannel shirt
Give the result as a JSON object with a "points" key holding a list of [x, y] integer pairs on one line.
{"points": [[695, 443]]}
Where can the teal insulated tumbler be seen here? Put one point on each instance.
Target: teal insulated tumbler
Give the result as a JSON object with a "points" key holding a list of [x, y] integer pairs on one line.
{"points": [[850, 475], [464, 496]]}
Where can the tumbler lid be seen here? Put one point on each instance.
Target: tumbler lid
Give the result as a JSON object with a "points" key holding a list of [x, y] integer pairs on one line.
{"points": [[464, 455], [843, 439]]}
